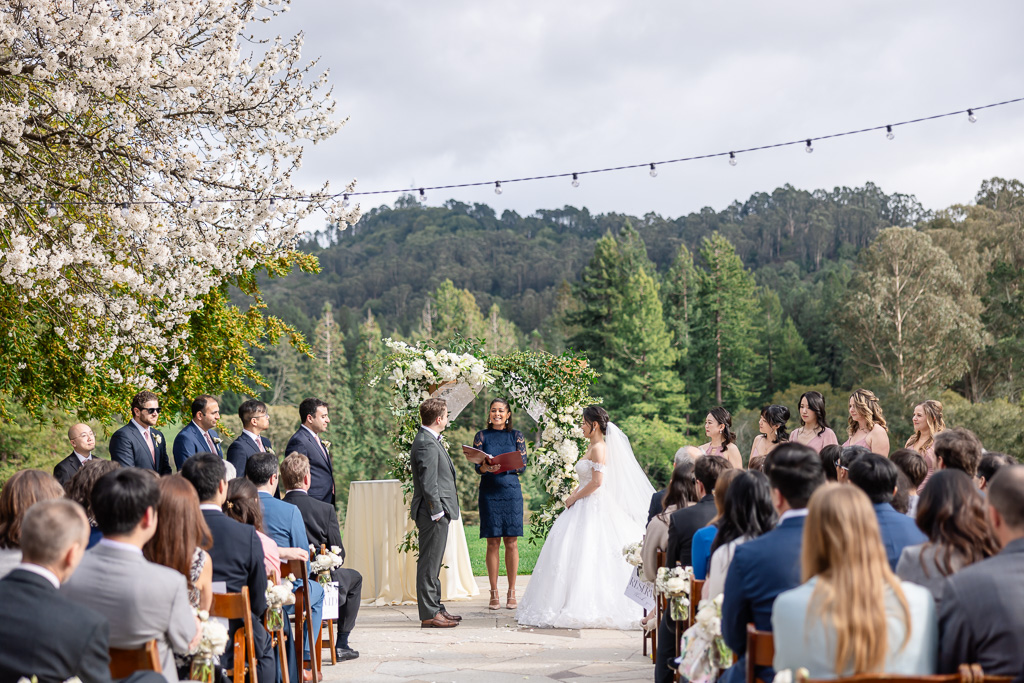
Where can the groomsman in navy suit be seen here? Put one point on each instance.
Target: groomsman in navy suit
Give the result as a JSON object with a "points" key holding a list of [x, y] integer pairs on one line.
{"points": [[255, 420], [770, 564], [313, 415], [199, 436], [138, 444]]}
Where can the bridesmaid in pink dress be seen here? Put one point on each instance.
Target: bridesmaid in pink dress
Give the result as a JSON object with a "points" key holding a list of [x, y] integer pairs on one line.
{"points": [[866, 423], [718, 428], [772, 428], [813, 431], [927, 423]]}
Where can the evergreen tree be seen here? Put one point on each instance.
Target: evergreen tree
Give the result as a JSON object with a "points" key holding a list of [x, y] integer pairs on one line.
{"points": [[449, 311], [328, 377], [680, 296], [786, 358], [368, 449], [500, 335], [727, 329]]}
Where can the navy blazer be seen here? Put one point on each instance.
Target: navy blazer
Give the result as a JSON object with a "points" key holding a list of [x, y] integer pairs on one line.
{"points": [[66, 468], [129, 448], [46, 635], [682, 525], [898, 531], [321, 469], [237, 555], [190, 441], [760, 569], [243, 448], [655, 507]]}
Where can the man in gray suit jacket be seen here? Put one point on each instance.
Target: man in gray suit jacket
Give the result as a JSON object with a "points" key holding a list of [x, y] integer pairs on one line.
{"points": [[434, 504], [141, 600], [981, 618]]}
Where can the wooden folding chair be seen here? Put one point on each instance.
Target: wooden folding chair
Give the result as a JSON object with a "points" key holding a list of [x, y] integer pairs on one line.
{"points": [[653, 635], [760, 650], [303, 612], [968, 673], [237, 606], [330, 630], [123, 663], [277, 636], [696, 586]]}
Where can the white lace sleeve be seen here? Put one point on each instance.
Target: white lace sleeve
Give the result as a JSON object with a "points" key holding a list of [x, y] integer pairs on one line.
{"points": [[598, 467]]}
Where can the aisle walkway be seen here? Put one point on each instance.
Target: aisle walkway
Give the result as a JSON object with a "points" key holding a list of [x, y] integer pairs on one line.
{"points": [[488, 647]]}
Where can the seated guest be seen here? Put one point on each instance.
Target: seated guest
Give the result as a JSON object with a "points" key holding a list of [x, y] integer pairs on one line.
{"points": [[953, 515], [321, 520], [682, 525], [991, 462], [851, 615], [958, 449], [199, 435], [237, 555], [876, 476], [981, 617], [141, 600], [79, 489], [21, 491], [283, 523], [747, 513], [243, 505], [680, 492], [766, 566], [904, 489], [686, 454], [703, 538], [43, 633], [756, 463], [139, 443], [831, 456], [255, 420], [182, 540], [910, 463], [850, 455], [82, 442]]}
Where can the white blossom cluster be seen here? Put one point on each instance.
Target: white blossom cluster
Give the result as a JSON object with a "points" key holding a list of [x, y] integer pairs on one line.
{"points": [[415, 369], [104, 102]]}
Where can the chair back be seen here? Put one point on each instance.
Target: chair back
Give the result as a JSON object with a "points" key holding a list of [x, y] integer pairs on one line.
{"points": [[303, 608], [968, 673], [760, 650], [696, 587], [237, 606], [123, 663]]}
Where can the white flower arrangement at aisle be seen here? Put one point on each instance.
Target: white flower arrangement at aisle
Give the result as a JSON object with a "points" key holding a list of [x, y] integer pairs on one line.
{"points": [[786, 675], [631, 553], [277, 597], [705, 653], [212, 642], [323, 563], [674, 584]]}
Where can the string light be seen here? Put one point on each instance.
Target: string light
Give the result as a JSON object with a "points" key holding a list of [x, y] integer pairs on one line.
{"points": [[125, 210], [423, 196], [273, 204], [808, 148], [497, 187], [653, 172], [732, 159], [971, 117], [575, 180], [194, 205], [344, 202], [888, 133], [51, 211]]}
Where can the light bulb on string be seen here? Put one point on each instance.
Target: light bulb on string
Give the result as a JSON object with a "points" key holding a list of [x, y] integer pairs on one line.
{"points": [[273, 204], [971, 117], [344, 201], [575, 180], [51, 211], [732, 159], [888, 133], [497, 187], [423, 196], [808, 148], [653, 172], [194, 204], [125, 209]]}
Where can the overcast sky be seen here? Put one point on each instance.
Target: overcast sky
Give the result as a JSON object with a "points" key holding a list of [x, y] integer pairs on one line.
{"points": [[451, 92]]}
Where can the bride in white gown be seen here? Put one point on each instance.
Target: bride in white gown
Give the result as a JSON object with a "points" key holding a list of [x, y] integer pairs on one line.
{"points": [[580, 577]]}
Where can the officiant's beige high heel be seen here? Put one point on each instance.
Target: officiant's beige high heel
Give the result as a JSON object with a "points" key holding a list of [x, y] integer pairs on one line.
{"points": [[510, 601], [494, 603]]}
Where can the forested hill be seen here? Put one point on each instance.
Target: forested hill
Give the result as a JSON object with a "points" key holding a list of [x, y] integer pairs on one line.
{"points": [[393, 258]]}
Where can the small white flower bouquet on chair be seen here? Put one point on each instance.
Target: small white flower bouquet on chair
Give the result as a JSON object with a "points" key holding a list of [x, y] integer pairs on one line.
{"points": [[212, 642], [705, 653], [674, 584], [277, 597], [323, 563], [631, 553]]}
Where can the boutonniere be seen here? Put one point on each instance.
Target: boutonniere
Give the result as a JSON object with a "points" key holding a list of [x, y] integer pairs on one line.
{"points": [[271, 451], [158, 438], [217, 440], [326, 443]]}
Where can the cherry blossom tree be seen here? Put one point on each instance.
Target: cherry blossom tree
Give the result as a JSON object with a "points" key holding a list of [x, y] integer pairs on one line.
{"points": [[147, 154]]}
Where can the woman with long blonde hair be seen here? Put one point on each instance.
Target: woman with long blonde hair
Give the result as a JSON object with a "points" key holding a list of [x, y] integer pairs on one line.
{"points": [[851, 615], [927, 423], [866, 423]]}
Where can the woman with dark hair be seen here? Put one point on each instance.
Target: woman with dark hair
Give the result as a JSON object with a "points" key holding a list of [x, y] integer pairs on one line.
{"points": [[79, 489], [243, 505], [22, 490], [700, 550], [579, 577], [772, 428], [182, 539], [830, 456], [952, 514], [813, 431], [748, 513], [866, 424], [718, 428], [681, 492], [501, 499]]}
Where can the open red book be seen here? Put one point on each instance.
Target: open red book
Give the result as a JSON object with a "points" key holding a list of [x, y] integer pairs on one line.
{"points": [[512, 460]]}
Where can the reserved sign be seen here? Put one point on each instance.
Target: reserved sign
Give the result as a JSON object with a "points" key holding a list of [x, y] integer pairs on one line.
{"points": [[637, 590]]}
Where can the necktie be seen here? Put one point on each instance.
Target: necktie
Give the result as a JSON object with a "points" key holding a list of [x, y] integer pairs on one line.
{"points": [[259, 442], [149, 442], [209, 442]]}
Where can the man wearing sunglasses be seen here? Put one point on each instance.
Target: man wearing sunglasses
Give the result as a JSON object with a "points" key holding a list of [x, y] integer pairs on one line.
{"points": [[138, 444]]}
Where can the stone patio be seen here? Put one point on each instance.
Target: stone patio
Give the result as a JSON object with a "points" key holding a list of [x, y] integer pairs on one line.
{"points": [[487, 646]]}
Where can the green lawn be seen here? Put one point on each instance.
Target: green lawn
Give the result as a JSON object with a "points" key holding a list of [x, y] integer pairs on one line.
{"points": [[478, 548]]}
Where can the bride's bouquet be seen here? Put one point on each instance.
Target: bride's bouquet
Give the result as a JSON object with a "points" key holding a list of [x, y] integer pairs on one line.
{"points": [[705, 653], [277, 597], [674, 584], [631, 553], [323, 563]]}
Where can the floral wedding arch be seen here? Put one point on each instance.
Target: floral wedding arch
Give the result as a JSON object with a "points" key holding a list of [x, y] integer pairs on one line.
{"points": [[552, 389]]}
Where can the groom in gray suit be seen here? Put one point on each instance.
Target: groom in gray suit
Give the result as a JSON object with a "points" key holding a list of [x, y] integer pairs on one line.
{"points": [[435, 503]]}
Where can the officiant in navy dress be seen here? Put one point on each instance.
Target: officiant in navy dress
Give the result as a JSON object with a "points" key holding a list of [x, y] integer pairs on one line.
{"points": [[501, 499]]}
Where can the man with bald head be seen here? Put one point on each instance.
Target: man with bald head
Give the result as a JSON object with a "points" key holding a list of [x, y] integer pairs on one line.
{"points": [[683, 455], [981, 616], [82, 442]]}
